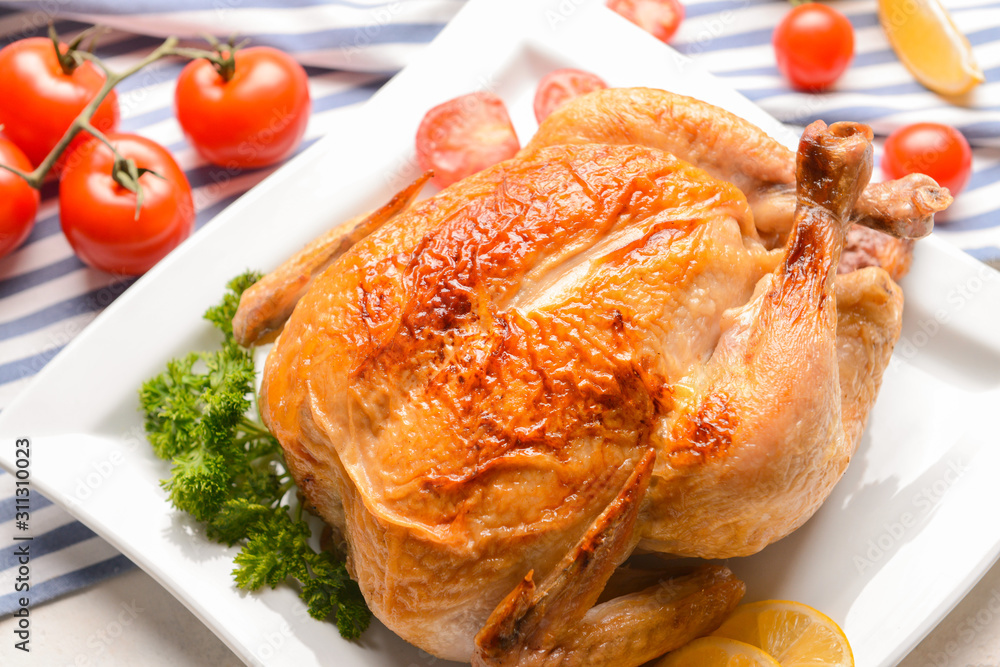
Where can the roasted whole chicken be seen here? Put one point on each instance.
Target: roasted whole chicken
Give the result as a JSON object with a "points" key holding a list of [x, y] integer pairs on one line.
{"points": [[624, 339]]}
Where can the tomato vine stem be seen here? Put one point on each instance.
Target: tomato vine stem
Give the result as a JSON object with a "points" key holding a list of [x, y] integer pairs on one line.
{"points": [[125, 173]]}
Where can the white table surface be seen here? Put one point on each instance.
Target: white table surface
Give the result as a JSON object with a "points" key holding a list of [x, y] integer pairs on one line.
{"points": [[131, 620]]}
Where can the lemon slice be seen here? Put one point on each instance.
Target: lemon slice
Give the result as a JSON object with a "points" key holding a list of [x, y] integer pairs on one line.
{"points": [[717, 652], [792, 633], [929, 45]]}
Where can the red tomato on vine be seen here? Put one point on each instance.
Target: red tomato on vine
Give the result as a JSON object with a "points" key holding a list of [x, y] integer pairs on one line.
{"points": [[39, 98], [250, 112], [18, 200], [98, 212]]}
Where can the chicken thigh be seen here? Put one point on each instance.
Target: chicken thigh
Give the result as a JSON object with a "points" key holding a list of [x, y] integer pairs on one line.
{"points": [[502, 391]]}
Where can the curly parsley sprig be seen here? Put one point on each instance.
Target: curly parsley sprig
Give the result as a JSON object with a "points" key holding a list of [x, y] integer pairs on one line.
{"points": [[229, 473]]}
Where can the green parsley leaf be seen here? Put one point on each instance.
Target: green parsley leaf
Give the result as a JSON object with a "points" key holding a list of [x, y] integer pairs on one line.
{"points": [[229, 473]]}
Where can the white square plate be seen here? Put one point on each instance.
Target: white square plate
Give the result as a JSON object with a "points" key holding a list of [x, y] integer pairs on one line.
{"points": [[893, 549]]}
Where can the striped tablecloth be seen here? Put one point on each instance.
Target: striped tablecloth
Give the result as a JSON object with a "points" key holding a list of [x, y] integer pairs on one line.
{"points": [[351, 47]]}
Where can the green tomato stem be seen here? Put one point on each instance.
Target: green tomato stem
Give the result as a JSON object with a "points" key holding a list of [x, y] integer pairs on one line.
{"points": [[220, 57], [87, 126], [66, 60], [83, 121], [16, 171], [224, 64]]}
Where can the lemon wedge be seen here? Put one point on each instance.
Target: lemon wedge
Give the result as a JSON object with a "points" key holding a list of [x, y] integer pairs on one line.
{"points": [[792, 633], [929, 45], [717, 652]]}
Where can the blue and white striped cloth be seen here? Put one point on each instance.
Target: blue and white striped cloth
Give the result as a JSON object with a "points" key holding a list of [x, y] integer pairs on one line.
{"points": [[351, 47]]}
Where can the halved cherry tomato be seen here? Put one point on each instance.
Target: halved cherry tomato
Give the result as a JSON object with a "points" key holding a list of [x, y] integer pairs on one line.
{"points": [[660, 18], [18, 200], [562, 85], [940, 151], [98, 214], [465, 135], [256, 118], [39, 101], [813, 45]]}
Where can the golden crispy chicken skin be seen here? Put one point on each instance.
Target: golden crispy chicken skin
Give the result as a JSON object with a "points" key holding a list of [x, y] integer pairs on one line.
{"points": [[267, 304], [732, 149], [502, 391], [469, 387]]}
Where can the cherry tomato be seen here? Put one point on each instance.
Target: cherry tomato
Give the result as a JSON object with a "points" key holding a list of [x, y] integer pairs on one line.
{"points": [[813, 45], [465, 135], [940, 151], [98, 214], [562, 85], [18, 200], [256, 118], [39, 101], [660, 18]]}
